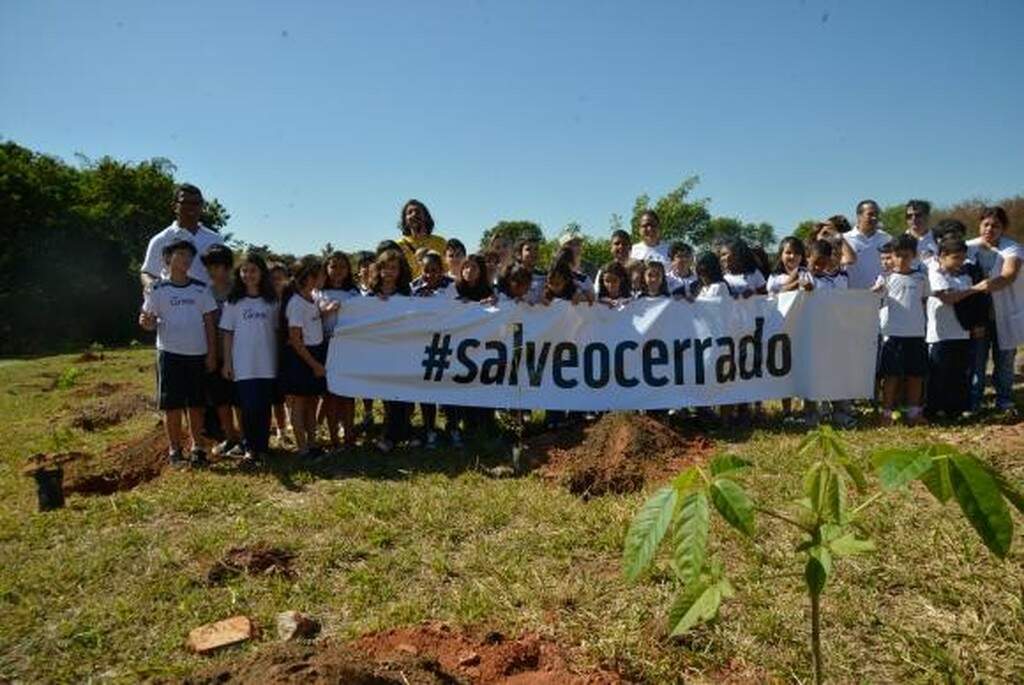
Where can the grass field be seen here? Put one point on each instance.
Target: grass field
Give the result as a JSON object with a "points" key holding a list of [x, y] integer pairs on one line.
{"points": [[108, 588]]}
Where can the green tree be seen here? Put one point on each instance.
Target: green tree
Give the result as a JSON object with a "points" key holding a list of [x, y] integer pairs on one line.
{"points": [[893, 219], [804, 228], [726, 228], [513, 231]]}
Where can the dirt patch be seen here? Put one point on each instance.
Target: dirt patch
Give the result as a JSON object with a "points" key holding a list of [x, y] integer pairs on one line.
{"points": [[255, 560], [101, 389], [109, 410], [431, 653], [122, 467], [620, 453], [90, 356]]}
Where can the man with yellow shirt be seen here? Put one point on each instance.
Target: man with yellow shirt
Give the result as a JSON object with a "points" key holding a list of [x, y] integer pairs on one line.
{"points": [[417, 232]]}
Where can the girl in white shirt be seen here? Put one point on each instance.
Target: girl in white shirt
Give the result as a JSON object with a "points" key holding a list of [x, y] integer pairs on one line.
{"points": [[740, 270], [790, 270], [303, 376], [249, 326], [338, 287]]}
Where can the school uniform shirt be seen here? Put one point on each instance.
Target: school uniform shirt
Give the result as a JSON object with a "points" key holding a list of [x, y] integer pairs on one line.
{"points": [[179, 310], [301, 313], [927, 248], [538, 280], [865, 270], [837, 281], [903, 314], [942, 321], [642, 252], [253, 323], [446, 288], [203, 238], [676, 282], [741, 283], [1008, 303], [714, 290], [326, 296], [583, 281], [777, 281]]}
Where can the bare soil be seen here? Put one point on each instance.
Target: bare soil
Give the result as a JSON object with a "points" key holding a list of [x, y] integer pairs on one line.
{"points": [[429, 653], [256, 560], [618, 454], [110, 409], [122, 467]]}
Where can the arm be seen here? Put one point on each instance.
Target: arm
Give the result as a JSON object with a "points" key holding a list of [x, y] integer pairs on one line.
{"points": [[953, 296], [849, 255], [228, 369], [211, 341], [1006, 277], [295, 340]]}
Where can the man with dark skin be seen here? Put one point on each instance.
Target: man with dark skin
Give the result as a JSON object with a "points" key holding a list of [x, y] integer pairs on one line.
{"points": [[188, 208], [418, 231], [865, 240]]}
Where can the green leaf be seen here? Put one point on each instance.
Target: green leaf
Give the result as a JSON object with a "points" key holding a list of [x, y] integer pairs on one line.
{"points": [[818, 568], [937, 480], [733, 504], [690, 537], [647, 529], [981, 500], [1012, 490], [848, 545], [826, 489], [897, 467], [697, 603], [808, 443], [727, 463], [856, 474], [687, 480]]}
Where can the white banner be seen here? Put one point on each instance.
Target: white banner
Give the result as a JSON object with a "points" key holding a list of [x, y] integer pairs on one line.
{"points": [[647, 354]]}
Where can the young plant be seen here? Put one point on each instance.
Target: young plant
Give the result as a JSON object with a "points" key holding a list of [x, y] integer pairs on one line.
{"points": [[824, 518]]}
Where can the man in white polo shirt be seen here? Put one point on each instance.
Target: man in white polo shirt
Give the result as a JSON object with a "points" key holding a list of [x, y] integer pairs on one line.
{"points": [[865, 240], [917, 213], [188, 207]]}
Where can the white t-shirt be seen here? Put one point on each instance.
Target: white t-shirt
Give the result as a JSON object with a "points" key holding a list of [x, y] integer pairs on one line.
{"points": [[942, 321], [324, 297], [714, 290], [865, 270], [253, 321], [837, 281], [927, 248], [676, 282], [1008, 303], [203, 238], [642, 252], [301, 313], [903, 313], [179, 313], [741, 283]]}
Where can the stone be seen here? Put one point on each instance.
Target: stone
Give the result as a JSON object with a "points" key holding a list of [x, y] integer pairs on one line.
{"points": [[469, 659], [295, 625], [213, 636]]}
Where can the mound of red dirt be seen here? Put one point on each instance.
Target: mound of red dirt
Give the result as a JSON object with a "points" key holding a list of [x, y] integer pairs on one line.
{"points": [[122, 467], [256, 560], [429, 653], [109, 410], [620, 453]]}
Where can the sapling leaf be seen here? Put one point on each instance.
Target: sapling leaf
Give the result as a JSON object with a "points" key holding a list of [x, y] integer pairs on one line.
{"points": [[1012, 491], [697, 603], [896, 467], [687, 480], [690, 537], [726, 463], [807, 443], [937, 480], [849, 544], [817, 569], [856, 474], [981, 500], [647, 529], [733, 504], [814, 485], [835, 495]]}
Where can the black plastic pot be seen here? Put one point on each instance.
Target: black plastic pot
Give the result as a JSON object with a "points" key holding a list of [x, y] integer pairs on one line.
{"points": [[50, 487]]}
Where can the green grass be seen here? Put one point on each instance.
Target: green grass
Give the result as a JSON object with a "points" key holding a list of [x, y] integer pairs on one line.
{"points": [[109, 587]]}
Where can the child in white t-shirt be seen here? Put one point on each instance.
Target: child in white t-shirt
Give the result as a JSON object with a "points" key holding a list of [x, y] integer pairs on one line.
{"points": [[339, 286], [740, 269], [904, 361], [790, 272], [303, 375], [679, 274], [248, 324], [181, 311]]}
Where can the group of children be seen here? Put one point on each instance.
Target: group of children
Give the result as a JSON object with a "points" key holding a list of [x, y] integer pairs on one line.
{"points": [[254, 339]]}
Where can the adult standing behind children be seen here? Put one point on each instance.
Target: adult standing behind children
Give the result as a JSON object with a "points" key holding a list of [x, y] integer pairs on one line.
{"points": [[917, 213], [417, 231], [650, 245], [188, 207], [865, 240]]}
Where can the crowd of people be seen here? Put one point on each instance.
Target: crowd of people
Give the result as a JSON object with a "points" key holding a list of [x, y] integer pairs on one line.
{"points": [[242, 343]]}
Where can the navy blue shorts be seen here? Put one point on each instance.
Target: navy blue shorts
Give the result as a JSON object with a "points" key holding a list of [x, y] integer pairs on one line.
{"points": [[220, 391], [296, 377], [180, 380], [904, 357]]}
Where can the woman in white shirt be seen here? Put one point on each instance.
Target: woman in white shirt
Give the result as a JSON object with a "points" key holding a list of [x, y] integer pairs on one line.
{"points": [[1001, 257]]}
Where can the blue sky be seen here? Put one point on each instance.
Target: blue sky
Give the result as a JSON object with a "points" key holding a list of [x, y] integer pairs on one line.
{"points": [[313, 122]]}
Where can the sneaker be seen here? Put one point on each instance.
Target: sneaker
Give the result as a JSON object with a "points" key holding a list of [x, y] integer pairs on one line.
{"points": [[176, 460], [198, 457], [250, 461], [237, 450], [384, 445], [456, 438], [431, 439]]}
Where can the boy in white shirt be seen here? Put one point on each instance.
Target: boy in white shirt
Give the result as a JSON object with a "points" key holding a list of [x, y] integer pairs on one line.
{"points": [[182, 312], [904, 361], [949, 343], [679, 275]]}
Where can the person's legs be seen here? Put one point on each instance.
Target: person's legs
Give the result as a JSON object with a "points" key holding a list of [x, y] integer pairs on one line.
{"points": [[1002, 377], [255, 397], [195, 427], [957, 381], [346, 407], [979, 371], [913, 385], [330, 410], [172, 424], [297, 413], [309, 410]]}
